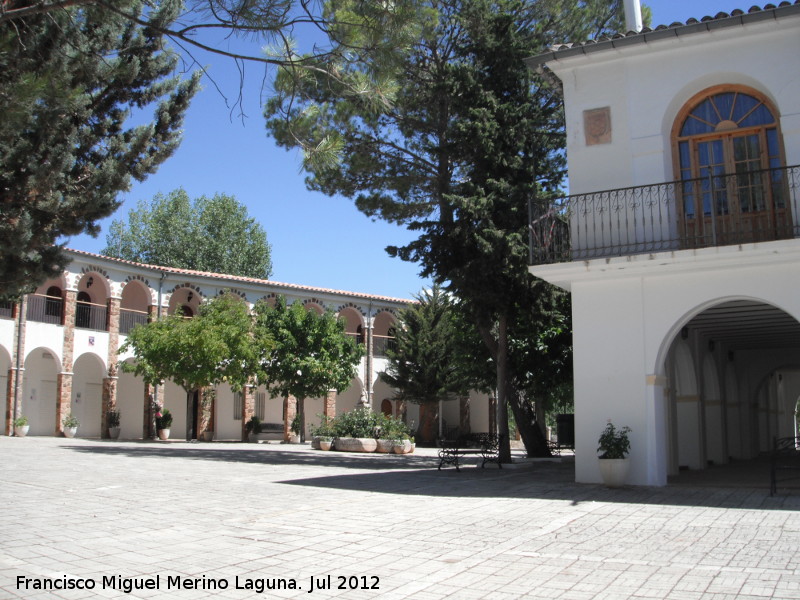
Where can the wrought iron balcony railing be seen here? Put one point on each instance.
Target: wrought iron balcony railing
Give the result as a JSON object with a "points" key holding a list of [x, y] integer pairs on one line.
{"points": [[718, 210]]}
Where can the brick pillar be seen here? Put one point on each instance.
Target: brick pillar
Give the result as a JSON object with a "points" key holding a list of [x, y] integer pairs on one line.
{"points": [[109, 401], [289, 413], [18, 346], [110, 382], [64, 399], [463, 415], [248, 408], [153, 397], [370, 362], [205, 418], [329, 408], [492, 415], [9, 413], [64, 379]]}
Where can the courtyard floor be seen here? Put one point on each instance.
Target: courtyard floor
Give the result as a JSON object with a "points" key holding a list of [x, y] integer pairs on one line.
{"points": [[238, 520]]}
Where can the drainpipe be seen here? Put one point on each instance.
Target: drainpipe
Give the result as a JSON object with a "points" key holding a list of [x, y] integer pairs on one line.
{"points": [[22, 305], [155, 387], [633, 15]]}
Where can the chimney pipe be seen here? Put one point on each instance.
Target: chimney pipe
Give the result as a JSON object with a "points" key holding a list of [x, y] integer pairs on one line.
{"points": [[633, 16]]}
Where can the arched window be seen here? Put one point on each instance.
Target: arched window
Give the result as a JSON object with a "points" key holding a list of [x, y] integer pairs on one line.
{"points": [[729, 158]]}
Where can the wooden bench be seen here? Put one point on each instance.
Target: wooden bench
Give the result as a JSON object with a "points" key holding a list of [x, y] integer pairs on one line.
{"points": [[784, 458], [486, 445]]}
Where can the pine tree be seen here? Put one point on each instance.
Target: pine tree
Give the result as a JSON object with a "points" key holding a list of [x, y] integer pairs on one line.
{"points": [[470, 138], [69, 80], [423, 366]]}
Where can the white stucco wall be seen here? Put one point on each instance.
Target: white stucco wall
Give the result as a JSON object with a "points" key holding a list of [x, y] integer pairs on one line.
{"points": [[639, 304], [647, 84]]}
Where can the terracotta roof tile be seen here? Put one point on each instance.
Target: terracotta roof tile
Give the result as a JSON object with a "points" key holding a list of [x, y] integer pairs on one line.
{"points": [[250, 280], [706, 23]]}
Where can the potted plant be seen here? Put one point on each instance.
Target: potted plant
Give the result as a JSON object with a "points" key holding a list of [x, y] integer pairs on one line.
{"points": [[253, 428], [163, 423], [70, 424], [325, 442], [113, 417], [21, 426], [294, 438], [613, 447]]}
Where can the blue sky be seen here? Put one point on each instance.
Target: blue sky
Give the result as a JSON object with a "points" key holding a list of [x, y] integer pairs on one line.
{"points": [[316, 240]]}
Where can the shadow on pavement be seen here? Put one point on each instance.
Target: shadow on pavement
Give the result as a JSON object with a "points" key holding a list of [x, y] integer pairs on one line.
{"points": [[417, 475]]}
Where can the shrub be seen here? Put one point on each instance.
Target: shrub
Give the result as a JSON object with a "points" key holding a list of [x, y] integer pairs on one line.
{"points": [[20, 421], [363, 423], [70, 421]]}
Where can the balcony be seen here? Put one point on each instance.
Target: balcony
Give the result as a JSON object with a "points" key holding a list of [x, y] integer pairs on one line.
{"points": [[129, 318], [90, 316], [718, 210], [45, 309]]}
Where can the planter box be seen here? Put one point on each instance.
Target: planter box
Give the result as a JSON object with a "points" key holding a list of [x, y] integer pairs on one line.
{"points": [[614, 471], [384, 446], [356, 444]]}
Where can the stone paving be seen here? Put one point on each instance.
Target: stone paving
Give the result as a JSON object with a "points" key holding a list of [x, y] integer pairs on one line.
{"points": [[237, 520]]}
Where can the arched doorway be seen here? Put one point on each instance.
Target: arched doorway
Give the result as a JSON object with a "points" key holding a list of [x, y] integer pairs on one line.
{"points": [[40, 391], [733, 378], [87, 394]]}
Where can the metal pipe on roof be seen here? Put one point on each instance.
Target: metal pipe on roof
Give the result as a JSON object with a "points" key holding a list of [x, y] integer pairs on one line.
{"points": [[633, 15]]}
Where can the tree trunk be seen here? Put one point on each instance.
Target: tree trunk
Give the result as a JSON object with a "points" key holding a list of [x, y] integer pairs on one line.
{"points": [[428, 421], [189, 415], [529, 430], [502, 389], [301, 417], [532, 436]]}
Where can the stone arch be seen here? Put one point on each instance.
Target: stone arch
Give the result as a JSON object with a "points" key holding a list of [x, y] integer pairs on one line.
{"points": [[186, 296], [313, 304], [383, 332], [354, 322], [714, 361], [137, 297]]}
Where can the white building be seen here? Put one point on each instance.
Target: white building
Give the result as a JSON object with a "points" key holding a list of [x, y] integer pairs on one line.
{"points": [[58, 352], [686, 294]]}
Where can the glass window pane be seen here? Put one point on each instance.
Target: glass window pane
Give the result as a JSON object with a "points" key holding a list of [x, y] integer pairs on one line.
{"points": [[744, 104], [724, 104], [760, 116], [772, 143], [683, 150]]}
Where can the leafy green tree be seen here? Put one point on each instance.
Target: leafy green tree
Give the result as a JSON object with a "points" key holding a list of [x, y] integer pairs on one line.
{"points": [[423, 366], [68, 82], [210, 234], [306, 354], [215, 346], [471, 137]]}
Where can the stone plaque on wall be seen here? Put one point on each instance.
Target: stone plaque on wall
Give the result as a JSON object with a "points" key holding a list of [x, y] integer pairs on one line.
{"points": [[597, 125]]}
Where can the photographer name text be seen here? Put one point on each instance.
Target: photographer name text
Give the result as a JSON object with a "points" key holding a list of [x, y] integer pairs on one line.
{"points": [[256, 585]]}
